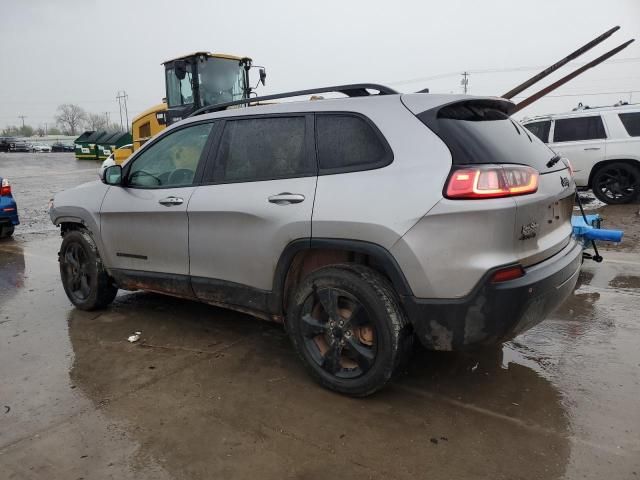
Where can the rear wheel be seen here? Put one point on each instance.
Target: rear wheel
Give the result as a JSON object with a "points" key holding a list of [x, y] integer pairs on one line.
{"points": [[348, 328], [616, 183], [84, 279]]}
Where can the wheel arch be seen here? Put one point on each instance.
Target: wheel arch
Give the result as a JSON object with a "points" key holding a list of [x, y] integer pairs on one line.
{"points": [[68, 223], [303, 256]]}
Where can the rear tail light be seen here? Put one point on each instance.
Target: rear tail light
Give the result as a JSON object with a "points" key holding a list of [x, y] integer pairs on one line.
{"points": [[5, 188], [509, 273], [491, 181]]}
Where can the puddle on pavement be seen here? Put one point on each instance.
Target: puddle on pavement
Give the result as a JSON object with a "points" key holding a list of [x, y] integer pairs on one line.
{"points": [[206, 392]]}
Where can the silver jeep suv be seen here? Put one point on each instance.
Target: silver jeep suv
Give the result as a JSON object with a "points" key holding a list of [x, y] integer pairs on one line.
{"points": [[360, 223]]}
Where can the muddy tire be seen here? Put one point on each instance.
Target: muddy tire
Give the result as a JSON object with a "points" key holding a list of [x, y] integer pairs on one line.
{"points": [[84, 278], [616, 183], [6, 231], [347, 326]]}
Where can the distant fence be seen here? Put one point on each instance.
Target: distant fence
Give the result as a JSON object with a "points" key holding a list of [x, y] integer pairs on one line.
{"points": [[50, 139]]}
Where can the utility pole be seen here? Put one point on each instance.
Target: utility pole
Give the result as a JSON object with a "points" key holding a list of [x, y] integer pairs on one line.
{"points": [[122, 101], [465, 82], [45, 129], [22, 117]]}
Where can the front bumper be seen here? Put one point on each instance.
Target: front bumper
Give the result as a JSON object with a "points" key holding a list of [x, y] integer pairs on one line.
{"points": [[496, 312]]}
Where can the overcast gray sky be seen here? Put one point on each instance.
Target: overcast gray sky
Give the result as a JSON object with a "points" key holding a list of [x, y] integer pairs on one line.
{"points": [[84, 51]]}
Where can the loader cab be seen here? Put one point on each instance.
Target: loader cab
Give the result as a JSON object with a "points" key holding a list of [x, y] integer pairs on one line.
{"points": [[202, 79]]}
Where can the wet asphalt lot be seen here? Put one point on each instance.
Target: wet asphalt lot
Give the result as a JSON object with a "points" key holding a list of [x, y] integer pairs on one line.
{"points": [[209, 393]]}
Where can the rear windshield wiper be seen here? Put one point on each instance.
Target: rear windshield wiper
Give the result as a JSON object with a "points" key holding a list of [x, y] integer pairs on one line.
{"points": [[555, 159]]}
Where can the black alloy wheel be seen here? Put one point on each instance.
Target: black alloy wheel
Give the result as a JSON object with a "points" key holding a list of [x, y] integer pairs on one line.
{"points": [[76, 272], [84, 278], [338, 333], [616, 183], [348, 327]]}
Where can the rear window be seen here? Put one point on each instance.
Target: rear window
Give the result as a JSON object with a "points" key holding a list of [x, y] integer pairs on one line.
{"points": [[576, 129], [540, 129], [347, 143], [481, 131], [631, 122]]}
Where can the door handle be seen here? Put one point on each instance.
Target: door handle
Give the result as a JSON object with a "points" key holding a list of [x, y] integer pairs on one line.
{"points": [[592, 148], [286, 198], [171, 201]]}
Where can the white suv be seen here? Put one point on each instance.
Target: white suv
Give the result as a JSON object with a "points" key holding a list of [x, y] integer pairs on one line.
{"points": [[603, 145]]}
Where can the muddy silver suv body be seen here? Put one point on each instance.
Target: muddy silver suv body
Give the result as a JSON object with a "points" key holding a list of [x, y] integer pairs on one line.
{"points": [[360, 223]]}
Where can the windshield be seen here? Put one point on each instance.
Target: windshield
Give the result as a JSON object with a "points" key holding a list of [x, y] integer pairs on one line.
{"points": [[221, 80], [179, 92]]}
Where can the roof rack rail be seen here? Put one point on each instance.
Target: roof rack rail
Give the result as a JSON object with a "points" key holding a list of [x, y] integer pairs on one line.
{"points": [[350, 90]]}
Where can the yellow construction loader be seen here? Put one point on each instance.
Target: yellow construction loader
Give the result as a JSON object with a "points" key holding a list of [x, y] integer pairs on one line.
{"points": [[192, 81]]}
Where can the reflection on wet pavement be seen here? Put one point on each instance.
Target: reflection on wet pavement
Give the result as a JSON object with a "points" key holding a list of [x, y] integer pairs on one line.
{"points": [[208, 393]]}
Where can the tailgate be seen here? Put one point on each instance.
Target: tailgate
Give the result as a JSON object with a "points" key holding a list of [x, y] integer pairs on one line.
{"points": [[543, 219], [480, 131]]}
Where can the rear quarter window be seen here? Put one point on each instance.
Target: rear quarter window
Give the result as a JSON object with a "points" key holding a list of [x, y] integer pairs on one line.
{"points": [[348, 143], [540, 129], [631, 122], [577, 129]]}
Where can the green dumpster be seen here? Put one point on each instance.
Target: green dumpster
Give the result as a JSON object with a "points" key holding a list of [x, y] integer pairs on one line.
{"points": [[86, 145], [103, 146], [106, 145]]}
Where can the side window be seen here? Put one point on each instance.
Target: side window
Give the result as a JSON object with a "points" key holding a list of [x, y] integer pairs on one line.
{"points": [[581, 128], [348, 143], [265, 148], [172, 161], [540, 129], [631, 122]]}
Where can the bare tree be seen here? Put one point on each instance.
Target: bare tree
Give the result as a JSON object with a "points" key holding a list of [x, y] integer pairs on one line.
{"points": [[95, 121], [70, 117]]}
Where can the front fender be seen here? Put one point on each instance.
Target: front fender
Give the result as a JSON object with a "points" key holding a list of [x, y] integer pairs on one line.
{"points": [[81, 205]]}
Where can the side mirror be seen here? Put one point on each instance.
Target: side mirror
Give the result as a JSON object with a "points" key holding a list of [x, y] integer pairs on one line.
{"points": [[263, 76], [112, 175]]}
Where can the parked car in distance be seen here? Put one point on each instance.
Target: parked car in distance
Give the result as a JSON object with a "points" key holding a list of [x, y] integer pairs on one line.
{"points": [[41, 148], [435, 217], [602, 144], [7, 144], [62, 147], [8, 209], [20, 146]]}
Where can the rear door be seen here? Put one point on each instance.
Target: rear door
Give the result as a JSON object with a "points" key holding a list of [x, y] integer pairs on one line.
{"points": [[259, 197], [583, 141], [144, 225]]}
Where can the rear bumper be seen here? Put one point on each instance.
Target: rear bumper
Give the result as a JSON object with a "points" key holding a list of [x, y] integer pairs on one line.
{"points": [[10, 216], [496, 312]]}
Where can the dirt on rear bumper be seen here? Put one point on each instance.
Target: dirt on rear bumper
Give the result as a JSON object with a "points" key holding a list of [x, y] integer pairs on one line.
{"points": [[496, 312]]}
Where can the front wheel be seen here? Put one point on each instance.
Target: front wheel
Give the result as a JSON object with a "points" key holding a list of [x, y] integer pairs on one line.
{"points": [[84, 279], [616, 183], [348, 328]]}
